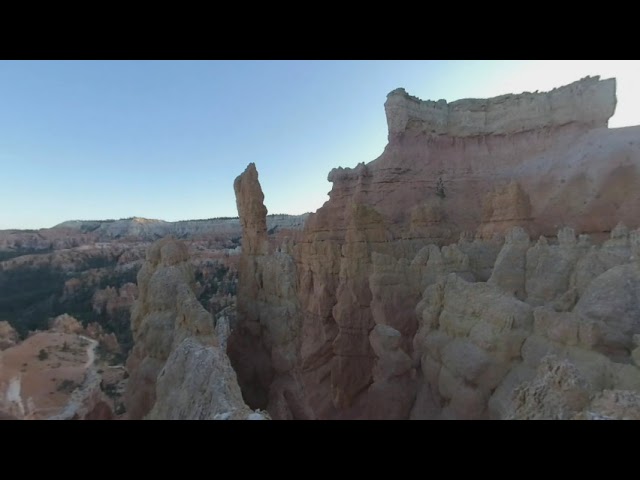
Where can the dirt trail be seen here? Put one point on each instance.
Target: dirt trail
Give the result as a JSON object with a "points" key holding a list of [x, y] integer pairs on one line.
{"points": [[91, 351]]}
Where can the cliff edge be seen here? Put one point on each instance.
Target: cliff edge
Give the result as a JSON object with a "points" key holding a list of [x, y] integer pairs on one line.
{"points": [[589, 102]]}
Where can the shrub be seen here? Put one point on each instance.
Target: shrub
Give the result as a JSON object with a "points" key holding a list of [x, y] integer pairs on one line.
{"points": [[67, 386]]}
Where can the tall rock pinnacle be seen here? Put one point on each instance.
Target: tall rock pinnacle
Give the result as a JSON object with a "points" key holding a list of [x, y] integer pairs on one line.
{"points": [[252, 212]]}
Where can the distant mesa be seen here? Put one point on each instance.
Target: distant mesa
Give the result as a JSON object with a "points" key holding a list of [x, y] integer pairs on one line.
{"points": [[144, 229]]}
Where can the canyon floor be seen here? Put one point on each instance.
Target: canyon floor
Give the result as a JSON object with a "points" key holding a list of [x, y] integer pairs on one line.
{"points": [[39, 375]]}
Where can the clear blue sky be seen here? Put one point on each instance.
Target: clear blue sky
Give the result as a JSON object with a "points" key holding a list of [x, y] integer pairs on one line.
{"points": [[165, 139]]}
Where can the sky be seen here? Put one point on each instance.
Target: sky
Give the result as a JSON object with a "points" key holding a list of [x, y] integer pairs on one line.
{"points": [[165, 139]]}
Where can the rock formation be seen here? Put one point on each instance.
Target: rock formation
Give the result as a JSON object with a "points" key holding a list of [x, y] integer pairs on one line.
{"points": [[589, 102], [198, 383], [177, 368], [263, 348], [66, 324], [437, 277], [8, 336], [505, 207], [109, 300], [572, 169], [560, 392]]}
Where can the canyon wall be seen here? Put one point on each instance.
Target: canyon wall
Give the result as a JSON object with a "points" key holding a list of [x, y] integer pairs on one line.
{"points": [[417, 291]]}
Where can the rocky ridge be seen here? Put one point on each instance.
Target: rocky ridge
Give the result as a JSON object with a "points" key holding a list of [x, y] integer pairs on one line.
{"points": [[178, 367], [74, 233]]}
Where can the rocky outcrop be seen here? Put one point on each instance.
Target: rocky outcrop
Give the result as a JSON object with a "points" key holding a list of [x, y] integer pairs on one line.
{"points": [[591, 333], [509, 271], [249, 356], [560, 392], [505, 207], [612, 405], [165, 313], [469, 338], [253, 213], [108, 341], [8, 336], [177, 368], [611, 304], [196, 368], [262, 347], [65, 323], [589, 102]]}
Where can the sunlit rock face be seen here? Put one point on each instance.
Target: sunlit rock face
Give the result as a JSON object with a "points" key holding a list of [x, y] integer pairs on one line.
{"points": [[488, 235]]}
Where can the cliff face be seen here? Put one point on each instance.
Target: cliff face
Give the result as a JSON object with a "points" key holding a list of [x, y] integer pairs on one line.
{"points": [[570, 169], [416, 291], [588, 102]]}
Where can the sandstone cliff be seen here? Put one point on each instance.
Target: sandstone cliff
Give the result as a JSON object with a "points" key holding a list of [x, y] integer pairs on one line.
{"points": [[587, 102], [563, 171], [438, 276]]}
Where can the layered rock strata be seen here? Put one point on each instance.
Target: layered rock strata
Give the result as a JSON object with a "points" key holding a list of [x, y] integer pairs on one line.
{"points": [[437, 277]]}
